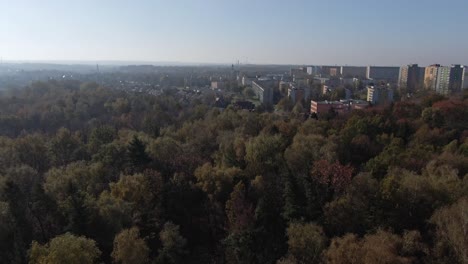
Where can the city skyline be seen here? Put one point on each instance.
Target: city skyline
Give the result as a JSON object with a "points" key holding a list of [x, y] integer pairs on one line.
{"points": [[261, 32], [195, 63]]}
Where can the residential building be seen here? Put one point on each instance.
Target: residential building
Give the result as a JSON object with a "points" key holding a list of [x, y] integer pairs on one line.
{"points": [[298, 72], [383, 73], [457, 76], [422, 70], [313, 70], [330, 70], [465, 79], [443, 80], [284, 86], [339, 107], [410, 78], [218, 85], [353, 72], [379, 95], [403, 78], [350, 82], [301, 82], [333, 82], [247, 80], [321, 80], [263, 90], [296, 94], [334, 71], [322, 107], [430, 76]]}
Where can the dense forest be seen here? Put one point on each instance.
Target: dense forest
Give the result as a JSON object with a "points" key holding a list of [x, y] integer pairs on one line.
{"points": [[94, 175]]}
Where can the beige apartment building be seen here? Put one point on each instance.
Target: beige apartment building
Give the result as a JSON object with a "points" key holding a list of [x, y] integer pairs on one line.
{"points": [[430, 76]]}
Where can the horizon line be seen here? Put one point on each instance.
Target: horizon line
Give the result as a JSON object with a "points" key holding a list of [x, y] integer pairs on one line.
{"points": [[181, 63]]}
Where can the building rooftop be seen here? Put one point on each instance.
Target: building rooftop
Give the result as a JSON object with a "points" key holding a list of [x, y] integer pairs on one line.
{"points": [[343, 101]]}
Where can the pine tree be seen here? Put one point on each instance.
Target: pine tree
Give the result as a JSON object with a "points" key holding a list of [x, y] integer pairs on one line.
{"points": [[137, 156]]}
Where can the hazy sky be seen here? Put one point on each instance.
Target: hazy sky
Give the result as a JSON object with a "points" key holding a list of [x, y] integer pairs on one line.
{"points": [[354, 32]]}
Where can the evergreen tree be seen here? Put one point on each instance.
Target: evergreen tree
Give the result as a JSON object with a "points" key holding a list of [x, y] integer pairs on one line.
{"points": [[137, 156]]}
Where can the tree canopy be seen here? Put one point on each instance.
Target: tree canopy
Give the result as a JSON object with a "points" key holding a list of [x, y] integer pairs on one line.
{"points": [[96, 175]]}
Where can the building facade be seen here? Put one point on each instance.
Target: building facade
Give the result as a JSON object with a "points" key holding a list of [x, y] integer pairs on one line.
{"points": [[465, 79], [313, 70], [296, 94], [379, 95], [218, 85], [430, 76], [410, 78], [353, 72], [247, 80], [264, 91], [298, 72], [339, 107], [283, 87], [457, 76], [330, 70], [383, 73], [444, 79]]}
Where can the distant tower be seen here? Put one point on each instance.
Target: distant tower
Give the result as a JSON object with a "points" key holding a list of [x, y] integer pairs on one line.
{"points": [[97, 68]]}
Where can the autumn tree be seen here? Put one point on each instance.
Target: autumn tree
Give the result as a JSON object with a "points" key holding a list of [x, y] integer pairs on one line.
{"points": [[417, 195], [173, 245], [142, 195], [240, 219], [129, 248], [65, 248], [452, 232], [264, 154], [65, 148], [357, 210], [304, 150], [379, 248], [32, 151], [238, 210], [327, 179], [11, 244], [306, 241], [101, 135]]}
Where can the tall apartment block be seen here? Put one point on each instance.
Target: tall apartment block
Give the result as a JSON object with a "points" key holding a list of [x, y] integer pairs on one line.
{"points": [[411, 77], [430, 76], [457, 76], [353, 71], [382, 73], [444, 79]]}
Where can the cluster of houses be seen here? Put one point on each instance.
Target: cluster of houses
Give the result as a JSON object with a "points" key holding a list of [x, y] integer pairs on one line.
{"points": [[378, 82]]}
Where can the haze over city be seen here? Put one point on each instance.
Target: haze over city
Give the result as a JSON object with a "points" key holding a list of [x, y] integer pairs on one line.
{"points": [[365, 32]]}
